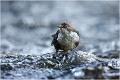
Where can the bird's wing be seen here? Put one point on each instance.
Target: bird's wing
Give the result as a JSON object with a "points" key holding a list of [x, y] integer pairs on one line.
{"points": [[55, 36]]}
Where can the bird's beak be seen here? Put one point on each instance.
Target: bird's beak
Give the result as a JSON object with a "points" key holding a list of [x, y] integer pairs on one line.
{"points": [[59, 26]]}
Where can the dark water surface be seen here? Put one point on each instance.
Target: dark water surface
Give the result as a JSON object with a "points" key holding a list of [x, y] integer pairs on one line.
{"points": [[26, 29]]}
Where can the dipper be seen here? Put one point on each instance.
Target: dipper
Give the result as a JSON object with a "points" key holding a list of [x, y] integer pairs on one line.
{"points": [[66, 38]]}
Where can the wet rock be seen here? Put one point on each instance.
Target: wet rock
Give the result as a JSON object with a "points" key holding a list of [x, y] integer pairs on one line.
{"points": [[62, 60], [93, 71], [74, 65], [58, 60], [114, 64], [6, 67], [78, 72], [113, 54]]}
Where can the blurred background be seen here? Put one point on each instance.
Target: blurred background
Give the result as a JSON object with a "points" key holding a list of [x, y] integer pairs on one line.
{"points": [[27, 26], [26, 29]]}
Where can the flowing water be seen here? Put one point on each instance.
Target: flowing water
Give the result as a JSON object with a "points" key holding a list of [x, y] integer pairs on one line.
{"points": [[26, 29]]}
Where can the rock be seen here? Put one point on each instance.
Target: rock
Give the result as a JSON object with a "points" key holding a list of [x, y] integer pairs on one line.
{"points": [[6, 67], [62, 60], [75, 64]]}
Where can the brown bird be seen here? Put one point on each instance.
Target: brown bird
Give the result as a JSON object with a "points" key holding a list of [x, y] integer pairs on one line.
{"points": [[66, 38]]}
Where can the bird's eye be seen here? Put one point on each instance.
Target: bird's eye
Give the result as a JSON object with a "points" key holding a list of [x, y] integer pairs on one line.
{"points": [[65, 26]]}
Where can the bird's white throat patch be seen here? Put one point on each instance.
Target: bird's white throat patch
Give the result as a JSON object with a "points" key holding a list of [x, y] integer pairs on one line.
{"points": [[74, 36]]}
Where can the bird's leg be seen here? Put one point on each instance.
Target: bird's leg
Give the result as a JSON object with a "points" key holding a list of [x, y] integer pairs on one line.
{"points": [[73, 50], [56, 51], [54, 55], [65, 54]]}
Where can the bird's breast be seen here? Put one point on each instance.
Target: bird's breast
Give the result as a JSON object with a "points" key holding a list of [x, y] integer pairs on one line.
{"points": [[67, 37], [75, 37]]}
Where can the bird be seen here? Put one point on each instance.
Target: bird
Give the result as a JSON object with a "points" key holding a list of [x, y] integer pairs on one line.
{"points": [[66, 38]]}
